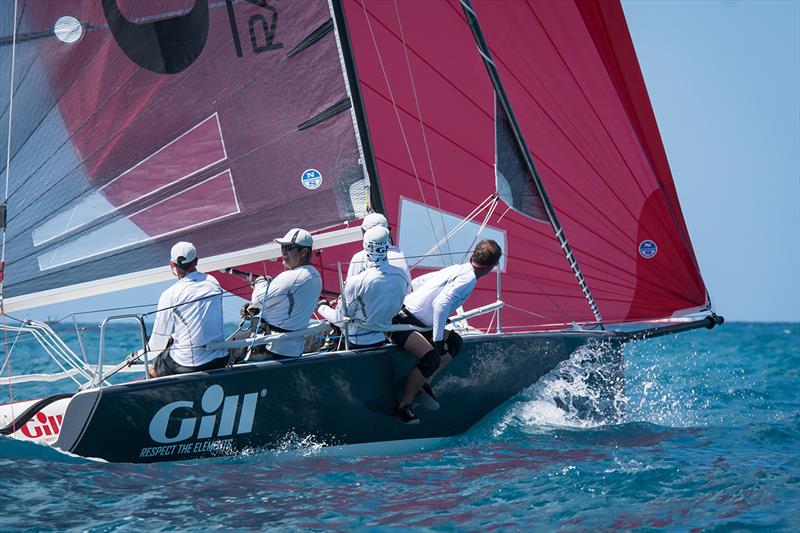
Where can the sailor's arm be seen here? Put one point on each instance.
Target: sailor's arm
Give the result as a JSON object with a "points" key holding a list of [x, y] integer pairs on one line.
{"points": [[417, 282], [162, 328], [446, 302], [350, 295]]}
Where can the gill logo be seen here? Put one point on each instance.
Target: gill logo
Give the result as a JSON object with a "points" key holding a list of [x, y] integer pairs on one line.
{"points": [[212, 399], [44, 426]]}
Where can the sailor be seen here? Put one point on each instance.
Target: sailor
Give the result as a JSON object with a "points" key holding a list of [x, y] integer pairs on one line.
{"points": [[374, 296], [288, 300], [189, 316], [395, 256], [434, 297]]}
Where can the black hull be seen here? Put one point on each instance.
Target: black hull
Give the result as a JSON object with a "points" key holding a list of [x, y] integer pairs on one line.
{"points": [[342, 398]]}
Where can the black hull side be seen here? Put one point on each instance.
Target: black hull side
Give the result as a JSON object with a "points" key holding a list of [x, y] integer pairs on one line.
{"points": [[340, 399]]}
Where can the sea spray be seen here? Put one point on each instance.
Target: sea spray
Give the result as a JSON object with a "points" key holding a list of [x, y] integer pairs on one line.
{"points": [[586, 390]]}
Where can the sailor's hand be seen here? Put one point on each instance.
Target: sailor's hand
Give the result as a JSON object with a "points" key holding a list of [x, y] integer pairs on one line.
{"points": [[440, 346], [262, 279], [246, 311], [323, 301], [134, 355]]}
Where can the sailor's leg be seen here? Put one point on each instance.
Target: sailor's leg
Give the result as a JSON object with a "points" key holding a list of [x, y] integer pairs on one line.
{"points": [[453, 344], [428, 361]]}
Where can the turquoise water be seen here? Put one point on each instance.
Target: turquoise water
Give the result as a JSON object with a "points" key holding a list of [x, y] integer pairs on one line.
{"points": [[709, 440]]}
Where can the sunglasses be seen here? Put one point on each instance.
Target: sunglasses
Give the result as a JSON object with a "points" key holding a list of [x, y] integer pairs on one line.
{"points": [[289, 247]]}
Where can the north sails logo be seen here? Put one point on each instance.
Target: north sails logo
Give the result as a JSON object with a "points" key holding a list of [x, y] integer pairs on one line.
{"points": [[212, 400]]}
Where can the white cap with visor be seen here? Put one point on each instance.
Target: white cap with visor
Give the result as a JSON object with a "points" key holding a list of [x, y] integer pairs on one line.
{"points": [[298, 237], [183, 253]]}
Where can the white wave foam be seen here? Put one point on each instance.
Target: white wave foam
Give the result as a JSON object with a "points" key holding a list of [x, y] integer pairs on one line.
{"points": [[586, 390]]}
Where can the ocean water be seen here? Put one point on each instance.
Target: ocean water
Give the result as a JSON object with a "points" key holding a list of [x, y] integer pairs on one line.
{"points": [[707, 437]]}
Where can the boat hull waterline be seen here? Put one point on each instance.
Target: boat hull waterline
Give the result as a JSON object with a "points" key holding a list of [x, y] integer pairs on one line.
{"points": [[329, 399]]}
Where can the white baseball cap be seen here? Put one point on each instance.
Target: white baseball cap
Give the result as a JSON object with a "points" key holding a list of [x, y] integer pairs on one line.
{"points": [[372, 220], [183, 253], [297, 236]]}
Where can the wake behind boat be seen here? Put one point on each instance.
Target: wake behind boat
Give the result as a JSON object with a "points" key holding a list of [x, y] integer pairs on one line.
{"points": [[527, 123]]}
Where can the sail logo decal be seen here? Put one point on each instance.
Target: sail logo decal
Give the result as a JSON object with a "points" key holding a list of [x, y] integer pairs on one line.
{"points": [[166, 46], [648, 249], [172, 43], [220, 416], [311, 179]]}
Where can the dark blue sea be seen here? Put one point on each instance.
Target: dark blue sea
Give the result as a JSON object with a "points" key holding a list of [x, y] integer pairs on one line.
{"points": [[710, 440]]}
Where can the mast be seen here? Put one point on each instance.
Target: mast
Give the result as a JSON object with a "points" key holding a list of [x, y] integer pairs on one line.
{"points": [[351, 75], [483, 48]]}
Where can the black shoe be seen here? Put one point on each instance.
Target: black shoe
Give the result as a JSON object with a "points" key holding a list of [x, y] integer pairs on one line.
{"points": [[407, 415], [427, 399]]}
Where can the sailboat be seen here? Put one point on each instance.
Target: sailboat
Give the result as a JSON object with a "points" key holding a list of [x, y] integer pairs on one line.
{"points": [[131, 125]]}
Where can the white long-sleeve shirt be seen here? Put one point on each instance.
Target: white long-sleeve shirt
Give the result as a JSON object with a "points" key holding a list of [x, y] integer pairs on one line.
{"points": [[437, 294], [396, 257], [288, 302], [373, 297], [190, 311]]}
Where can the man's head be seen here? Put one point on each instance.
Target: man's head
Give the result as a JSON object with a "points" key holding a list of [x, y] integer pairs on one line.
{"points": [[372, 220], [182, 258], [376, 243], [485, 257], [296, 248]]}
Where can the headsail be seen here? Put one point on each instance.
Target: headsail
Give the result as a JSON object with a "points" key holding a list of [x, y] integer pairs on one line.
{"points": [[571, 75], [136, 124]]}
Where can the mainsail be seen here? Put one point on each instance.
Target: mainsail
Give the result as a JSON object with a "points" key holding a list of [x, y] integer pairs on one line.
{"points": [[253, 117], [136, 124]]}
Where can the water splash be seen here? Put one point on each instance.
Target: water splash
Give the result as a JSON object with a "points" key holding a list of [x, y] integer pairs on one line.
{"points": [[290, 445], [586, 390]]}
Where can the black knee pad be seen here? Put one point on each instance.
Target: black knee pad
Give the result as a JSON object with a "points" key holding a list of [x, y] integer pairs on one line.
{"points": [[454, 343], [429, 363]]}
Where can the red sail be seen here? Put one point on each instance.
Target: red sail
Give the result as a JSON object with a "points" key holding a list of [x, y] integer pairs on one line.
{"points": [[573, 81]]}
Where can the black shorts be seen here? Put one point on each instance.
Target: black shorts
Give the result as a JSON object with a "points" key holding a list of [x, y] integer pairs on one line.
{"points": [[404, 317], [164, 365], [354, 346]]}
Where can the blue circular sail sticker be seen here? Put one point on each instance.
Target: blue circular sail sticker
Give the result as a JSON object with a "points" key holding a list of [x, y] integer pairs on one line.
{"points": [[311, 178], [648, 249]]}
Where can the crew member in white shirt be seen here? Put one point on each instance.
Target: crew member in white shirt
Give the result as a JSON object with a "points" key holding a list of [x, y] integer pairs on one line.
{"points": [[434, 298], [395, 256], [374, 296], [288, 300], [189, 316]]}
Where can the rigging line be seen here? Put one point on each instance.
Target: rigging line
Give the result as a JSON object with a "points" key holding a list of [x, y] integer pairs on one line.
{"points": [[421, 123], [501, 94], [397, 115], [510, 265], [10, 350], [537, 315], [475, 212], [5, 202], [503, 215], [480, 230], [8, 140], [225, 294]]}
